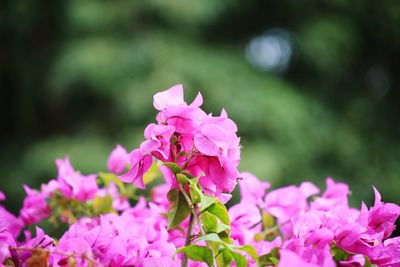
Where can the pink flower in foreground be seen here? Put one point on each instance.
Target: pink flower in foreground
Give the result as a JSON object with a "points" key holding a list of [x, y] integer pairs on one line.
{"points": [[173, 97], [245, 221], [336, 194], [290, 258], [217, 137], [288, 202], [357, 260], [6, 239], [382, 216], [9, 223], [170, 97], [41, 240], [158, 140], [118, 160], [218, 177], [140, 163], [252, 190], [160, 254], [72, 184], [35, 207], [175, 112], [391, 253], [77, 246]]}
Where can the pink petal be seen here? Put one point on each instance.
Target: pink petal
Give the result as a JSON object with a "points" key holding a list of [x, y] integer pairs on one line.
{"points": [[118, 160], [198, 101], [205, 146], [170, 97]]}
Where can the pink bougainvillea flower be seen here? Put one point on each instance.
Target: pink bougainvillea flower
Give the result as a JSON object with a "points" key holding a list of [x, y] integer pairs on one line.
{"points": [[309, 228], [288, 202], [265, 247], [390, 255], [245, 222], [290, 258], [35, 207], [174, 97], [9, 223], [175, 112], [336, 194], [382, 216], [356, 260], [41, 240], [159, 254], [140, 163], [218, 178], [7, 238], [158, 140], [158, 194], [77, 246], [252, 190], [216, 136], [210, 140], [171, 97], [4, 249], [118, 160], [72, 184]]}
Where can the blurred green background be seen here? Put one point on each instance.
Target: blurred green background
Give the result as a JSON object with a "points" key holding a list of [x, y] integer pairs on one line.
{"points": [[313, 85]]}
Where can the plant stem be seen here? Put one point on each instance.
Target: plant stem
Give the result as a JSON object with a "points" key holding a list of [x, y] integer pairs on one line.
{"points": [[197, 219], [187, 242]]}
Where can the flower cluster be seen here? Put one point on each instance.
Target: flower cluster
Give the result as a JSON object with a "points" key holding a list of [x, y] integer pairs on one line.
{"points": [[315, 230], [204, 145], [183, 221]]}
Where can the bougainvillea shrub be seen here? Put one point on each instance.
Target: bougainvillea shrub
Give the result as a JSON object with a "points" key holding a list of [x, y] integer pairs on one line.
{"points": [[112, 221]]}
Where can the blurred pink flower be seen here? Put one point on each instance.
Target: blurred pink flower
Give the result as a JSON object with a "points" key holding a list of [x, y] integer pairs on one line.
{"points": [[118, 160]]}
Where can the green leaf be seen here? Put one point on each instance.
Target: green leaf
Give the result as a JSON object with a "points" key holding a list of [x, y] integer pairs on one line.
{"points": [[9, 262], [339, 254], [224, 258], [275, 261], [195, 180], [210, 237], [198, 253], [269, 259], [182, 179], [250, 250], [195, 191], [102, 205], [174, 167], [151, 174], [206, 201], [212, 224], [110, 177], [225, 237], [178, 208], [187, 173], [268, 221], [241, 260], [219, 210]]}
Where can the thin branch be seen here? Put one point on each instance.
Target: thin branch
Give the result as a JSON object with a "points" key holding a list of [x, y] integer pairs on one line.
{"points": [[188, 239], [197, 219]]}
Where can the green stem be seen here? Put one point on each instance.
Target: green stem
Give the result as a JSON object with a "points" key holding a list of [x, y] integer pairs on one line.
{"points": [[197, 219], [187, 242]]}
